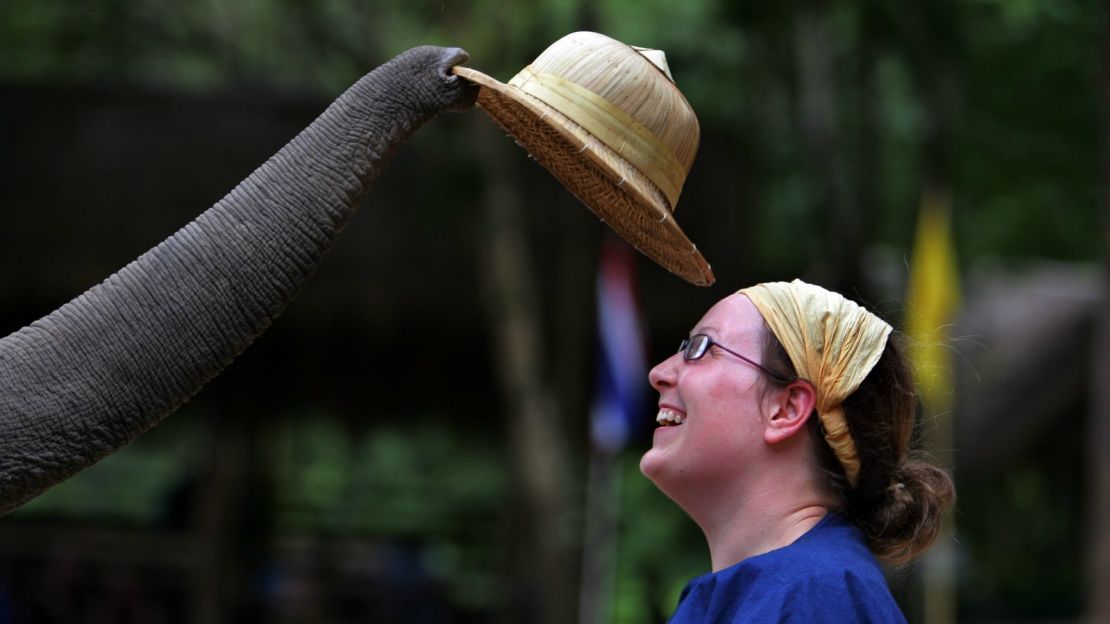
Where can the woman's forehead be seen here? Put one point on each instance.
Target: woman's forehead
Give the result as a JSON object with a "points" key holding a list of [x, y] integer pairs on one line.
{"points": [[734, 317]]}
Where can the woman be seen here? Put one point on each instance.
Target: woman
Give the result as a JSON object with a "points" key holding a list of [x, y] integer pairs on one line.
{"points": [[786, 421]]}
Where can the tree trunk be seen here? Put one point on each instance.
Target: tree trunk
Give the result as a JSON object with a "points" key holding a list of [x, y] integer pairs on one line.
{"points": [[220, 487], [817, 118], [1099, 438], [866, 187], [537, 449]]}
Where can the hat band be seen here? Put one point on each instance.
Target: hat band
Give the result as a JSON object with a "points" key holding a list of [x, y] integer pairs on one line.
{"points": [[616, 129]]}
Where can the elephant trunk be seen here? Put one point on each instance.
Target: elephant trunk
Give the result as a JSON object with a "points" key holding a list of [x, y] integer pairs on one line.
{"points": [[105, 367]]}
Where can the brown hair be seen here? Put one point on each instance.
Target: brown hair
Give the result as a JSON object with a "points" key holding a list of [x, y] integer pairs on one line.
{"points": [[901, 495]]}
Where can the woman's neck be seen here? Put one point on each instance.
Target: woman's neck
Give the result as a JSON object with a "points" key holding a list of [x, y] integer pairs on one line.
{"points": [[760, 524]]}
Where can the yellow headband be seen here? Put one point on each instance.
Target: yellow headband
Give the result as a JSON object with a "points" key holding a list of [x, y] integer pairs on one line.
{"points": [[832, 342]]}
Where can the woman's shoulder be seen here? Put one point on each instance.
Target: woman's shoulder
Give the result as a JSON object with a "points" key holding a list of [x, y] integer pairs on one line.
{"points": [[831, 557], [834, 545], [828, 575]]}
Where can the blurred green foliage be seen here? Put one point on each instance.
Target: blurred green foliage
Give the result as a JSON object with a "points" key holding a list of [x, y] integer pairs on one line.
{"points": [[660, 550], [1024, 557], [423, 483], [1023, 148], [1009, 85]]}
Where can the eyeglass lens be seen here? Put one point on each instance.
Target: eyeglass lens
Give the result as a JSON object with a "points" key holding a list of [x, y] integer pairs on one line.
{"points": [[695, 347]]}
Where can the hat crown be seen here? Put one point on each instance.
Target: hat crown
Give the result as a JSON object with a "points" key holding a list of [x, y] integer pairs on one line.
{"points": [[607, 120], [630, 79]]}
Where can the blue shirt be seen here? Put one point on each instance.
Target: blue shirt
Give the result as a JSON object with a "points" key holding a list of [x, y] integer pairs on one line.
{"points": [[827, 575]]}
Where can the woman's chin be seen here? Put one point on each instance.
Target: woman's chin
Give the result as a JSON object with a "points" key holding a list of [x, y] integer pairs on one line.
{"points": [[658, 466], [653, 462]]}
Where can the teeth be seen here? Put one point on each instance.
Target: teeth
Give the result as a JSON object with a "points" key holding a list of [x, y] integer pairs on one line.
{"points": [[668, 417]]}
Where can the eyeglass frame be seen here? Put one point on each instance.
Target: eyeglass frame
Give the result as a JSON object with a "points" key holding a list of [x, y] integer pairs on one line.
{"points": [[687, 345]]}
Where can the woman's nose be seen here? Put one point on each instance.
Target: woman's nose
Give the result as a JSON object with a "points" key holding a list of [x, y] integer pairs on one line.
{"points": [[663, 375]]}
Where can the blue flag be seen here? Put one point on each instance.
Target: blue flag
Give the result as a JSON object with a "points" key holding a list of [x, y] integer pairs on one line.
{"points": [[618, 410]]}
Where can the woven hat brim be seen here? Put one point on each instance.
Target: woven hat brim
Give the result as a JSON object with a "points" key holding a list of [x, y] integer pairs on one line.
{"points": [[607, 184]]}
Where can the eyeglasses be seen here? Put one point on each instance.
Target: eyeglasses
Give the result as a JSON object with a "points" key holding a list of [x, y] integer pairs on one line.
{"points": [[696, 346]]}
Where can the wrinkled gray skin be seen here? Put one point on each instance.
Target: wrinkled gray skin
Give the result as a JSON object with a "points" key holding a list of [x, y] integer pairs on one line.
{"points": [[105, 367]]}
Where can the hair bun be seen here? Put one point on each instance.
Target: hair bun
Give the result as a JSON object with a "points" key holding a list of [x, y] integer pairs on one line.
{"points": [[908, 518]]}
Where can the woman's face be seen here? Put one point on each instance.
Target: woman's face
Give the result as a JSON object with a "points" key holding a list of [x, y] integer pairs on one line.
{"points": [[717, 399]]}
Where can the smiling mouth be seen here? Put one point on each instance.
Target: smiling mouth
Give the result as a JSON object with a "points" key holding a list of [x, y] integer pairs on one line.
{"points": [[669, 418]]}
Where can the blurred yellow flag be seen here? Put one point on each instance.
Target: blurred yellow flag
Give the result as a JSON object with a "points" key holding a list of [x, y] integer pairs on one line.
{"points": [[933, 298]]}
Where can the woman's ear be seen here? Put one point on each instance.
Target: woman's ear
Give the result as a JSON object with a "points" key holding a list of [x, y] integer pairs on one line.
{"points": [[789, 411]]}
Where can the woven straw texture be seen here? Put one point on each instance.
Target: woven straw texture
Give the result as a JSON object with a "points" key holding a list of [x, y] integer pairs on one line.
{"points": [[606, 182], [599, 64]]}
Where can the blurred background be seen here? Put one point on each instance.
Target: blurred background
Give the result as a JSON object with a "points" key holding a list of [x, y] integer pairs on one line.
{"points": [[428, 433]]}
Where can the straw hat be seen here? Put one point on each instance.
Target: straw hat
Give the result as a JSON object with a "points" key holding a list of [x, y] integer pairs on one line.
{"points": [[608, 121]]}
